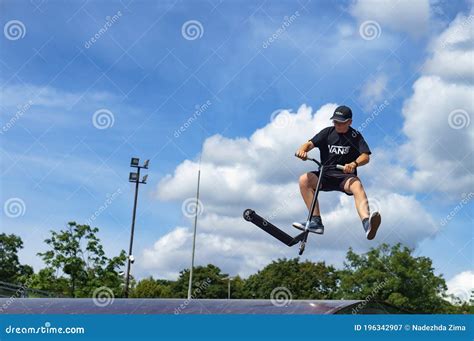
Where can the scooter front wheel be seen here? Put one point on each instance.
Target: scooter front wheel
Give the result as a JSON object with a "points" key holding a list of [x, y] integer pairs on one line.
{"points": [[302, 245]]}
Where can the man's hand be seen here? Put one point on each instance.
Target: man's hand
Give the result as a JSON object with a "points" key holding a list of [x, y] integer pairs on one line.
{"points": [[350, 167], [301, 154]]}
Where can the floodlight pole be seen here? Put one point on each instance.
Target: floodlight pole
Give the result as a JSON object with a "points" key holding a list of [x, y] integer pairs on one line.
{"points": [[134, 163], [190, 283]]}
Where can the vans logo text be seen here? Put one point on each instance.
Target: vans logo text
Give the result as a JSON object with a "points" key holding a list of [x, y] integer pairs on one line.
{"points": [[340, 150]]}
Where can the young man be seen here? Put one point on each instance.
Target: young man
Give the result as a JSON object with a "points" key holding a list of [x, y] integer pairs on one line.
{"points": [[338, 145]]}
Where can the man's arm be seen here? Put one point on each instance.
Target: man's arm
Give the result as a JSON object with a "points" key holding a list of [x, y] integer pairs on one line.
{"points": [[302, 152], [363, 159]]}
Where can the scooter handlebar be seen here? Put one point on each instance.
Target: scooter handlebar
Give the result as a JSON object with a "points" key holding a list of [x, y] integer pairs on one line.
{"points": [[308, 158], [340, 167]]}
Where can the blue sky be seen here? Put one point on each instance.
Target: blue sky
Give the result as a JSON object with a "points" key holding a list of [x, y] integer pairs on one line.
{"points": [[150, 76]]}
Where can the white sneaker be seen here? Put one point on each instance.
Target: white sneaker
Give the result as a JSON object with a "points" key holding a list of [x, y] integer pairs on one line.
{"points": [[315, 225], [372, 225]]}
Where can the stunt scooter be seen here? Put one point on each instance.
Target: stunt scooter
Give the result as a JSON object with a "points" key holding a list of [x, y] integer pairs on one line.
{"points": [[253, 217]]}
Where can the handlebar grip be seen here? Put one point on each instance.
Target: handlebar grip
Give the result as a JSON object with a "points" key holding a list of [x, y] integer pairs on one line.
{"points": [[308, 158], [341, 167]]}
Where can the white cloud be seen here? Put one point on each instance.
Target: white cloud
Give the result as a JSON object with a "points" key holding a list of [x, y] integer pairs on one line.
{"points": [[462, 285], [437, 154], [386, 172], [373, 90], [47, 96], [346, 30], [260, 172], [452, 52], [43, 106], [439, 113], [260, 168], [403, 15], [234, 254]]}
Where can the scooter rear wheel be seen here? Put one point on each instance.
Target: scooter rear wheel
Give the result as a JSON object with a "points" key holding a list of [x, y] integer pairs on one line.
{"points": [[248, 213]]}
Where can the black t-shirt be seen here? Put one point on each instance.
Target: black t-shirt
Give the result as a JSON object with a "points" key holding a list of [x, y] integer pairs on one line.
{"points": [[339, 149]]}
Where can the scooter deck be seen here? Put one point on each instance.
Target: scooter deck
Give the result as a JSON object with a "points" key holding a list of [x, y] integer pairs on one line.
{"points": [[271, 229]]}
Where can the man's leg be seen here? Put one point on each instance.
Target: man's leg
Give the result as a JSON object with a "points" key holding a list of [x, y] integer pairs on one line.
{"points": [[370, 222], [354, 186], [308, 182]]}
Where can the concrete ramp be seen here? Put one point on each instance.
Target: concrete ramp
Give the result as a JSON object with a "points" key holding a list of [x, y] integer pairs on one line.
{"points": [[194, 306]]}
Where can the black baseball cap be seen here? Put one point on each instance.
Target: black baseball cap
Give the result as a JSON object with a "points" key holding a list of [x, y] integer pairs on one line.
{"points": [[342, 114]]}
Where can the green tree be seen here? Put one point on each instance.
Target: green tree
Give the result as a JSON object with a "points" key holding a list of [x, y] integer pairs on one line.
{"points": [[76, 252], [10, 268], [394, 275], [47, 280], [300, 280], [471, 303], [237, 290], [208, 282], [150, 288]]}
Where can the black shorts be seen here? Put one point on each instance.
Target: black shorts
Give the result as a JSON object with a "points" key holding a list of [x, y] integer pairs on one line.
{"points": [[334, 180]]}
